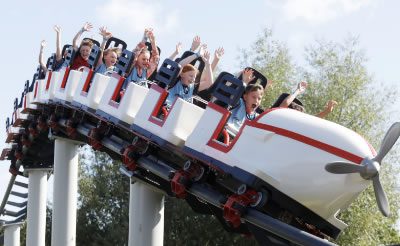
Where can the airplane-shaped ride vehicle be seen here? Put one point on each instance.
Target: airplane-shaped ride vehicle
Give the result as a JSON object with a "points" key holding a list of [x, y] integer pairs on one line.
{"points": [[283, 178]]}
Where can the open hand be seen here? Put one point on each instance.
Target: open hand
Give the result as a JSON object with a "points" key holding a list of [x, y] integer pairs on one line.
{"points": [[104, 33], [302, 86], [87, 27], [195, 43], [57, 29], [219, 53]]}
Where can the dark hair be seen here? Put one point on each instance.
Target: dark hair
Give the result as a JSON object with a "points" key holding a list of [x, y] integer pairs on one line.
{"points": [[253, 87]]}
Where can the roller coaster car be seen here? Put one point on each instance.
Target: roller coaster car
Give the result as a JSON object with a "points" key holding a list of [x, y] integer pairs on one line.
{"points": [[289, 165]]}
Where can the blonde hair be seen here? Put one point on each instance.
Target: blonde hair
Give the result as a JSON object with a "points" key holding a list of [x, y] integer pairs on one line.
{"points": [[114, 49]]}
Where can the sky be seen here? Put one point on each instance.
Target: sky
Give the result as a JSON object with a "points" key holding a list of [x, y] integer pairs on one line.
{"points": [[231, 24]]}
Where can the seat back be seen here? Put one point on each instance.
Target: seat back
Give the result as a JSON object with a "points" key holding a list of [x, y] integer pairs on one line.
{"points": [[70, 55], [124, 62], [51, 62], [94, 56], [227, 91], [168, 73], [26, 87]]}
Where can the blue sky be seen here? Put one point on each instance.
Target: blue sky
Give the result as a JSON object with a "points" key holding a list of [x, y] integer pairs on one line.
{"points": [[231, 24]]}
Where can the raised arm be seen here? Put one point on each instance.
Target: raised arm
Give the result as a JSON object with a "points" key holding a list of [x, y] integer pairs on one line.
{"points": [[178, 49], [195, 44], [154, 53], [206, 79], [247, 75], [217, 56], [328, 109], [85, 28], [106, 36], [58, 43], [41, 61], [301, 87], [190, 58]]}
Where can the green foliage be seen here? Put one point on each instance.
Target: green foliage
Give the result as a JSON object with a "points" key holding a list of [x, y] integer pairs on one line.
{"points": [[103, 202], [185, 227]]}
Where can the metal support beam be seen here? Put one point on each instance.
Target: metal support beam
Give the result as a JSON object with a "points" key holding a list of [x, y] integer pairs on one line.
{"points": [[12, 234], [36, 222], [146, 216], [65, 193]]}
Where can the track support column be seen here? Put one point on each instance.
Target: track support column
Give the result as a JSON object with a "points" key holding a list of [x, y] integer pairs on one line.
{"points": [[146, 216], [65, 193], [37, 198], [12, 234]]}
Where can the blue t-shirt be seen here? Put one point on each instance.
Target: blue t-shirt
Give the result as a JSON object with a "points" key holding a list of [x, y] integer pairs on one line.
{"points": [[135, 78], [182, 91], [102, 69], [238, 116]]}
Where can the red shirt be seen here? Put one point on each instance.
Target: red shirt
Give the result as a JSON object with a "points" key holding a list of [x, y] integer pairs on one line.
{"points": [[79, 62]]}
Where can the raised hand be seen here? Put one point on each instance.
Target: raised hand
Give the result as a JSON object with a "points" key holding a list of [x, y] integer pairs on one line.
{"points": [[219, 53], [150, 35], [301, 87], [248, 75], [195, 43], [206, 57], [202, 49], [57, 29], [178, 48], [87, 27], [104, 33], [330, 105], [42, 44]]}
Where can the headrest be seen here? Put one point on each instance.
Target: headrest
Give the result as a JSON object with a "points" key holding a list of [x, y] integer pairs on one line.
{"points": [[282, 97], [115, 42], [93, 41], [258, 78], [227, 90], [150, 48], [168, 73]]}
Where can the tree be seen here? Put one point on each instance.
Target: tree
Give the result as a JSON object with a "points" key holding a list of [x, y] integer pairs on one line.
{"points": [[102, 217]]}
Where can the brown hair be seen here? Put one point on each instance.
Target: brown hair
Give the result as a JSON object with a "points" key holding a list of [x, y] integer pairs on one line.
{"points": [[253, 87], [188, 68], [87, 42]]}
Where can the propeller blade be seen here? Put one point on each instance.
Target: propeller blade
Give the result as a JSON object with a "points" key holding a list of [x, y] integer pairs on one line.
{"points": [[343, 167], [388, 141], [381, 198]]}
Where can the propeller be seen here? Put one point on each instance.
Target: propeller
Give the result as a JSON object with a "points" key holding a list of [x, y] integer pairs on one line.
{"points": [[369, 168]]}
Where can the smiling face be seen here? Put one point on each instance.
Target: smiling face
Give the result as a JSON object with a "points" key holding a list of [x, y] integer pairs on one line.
{"points": [[110, 58], [85, 51], [143, 60], [188, 77], [252, 100]]}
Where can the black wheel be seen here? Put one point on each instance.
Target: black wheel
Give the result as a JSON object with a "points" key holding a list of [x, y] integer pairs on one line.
{"points": [[263, 196]]}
